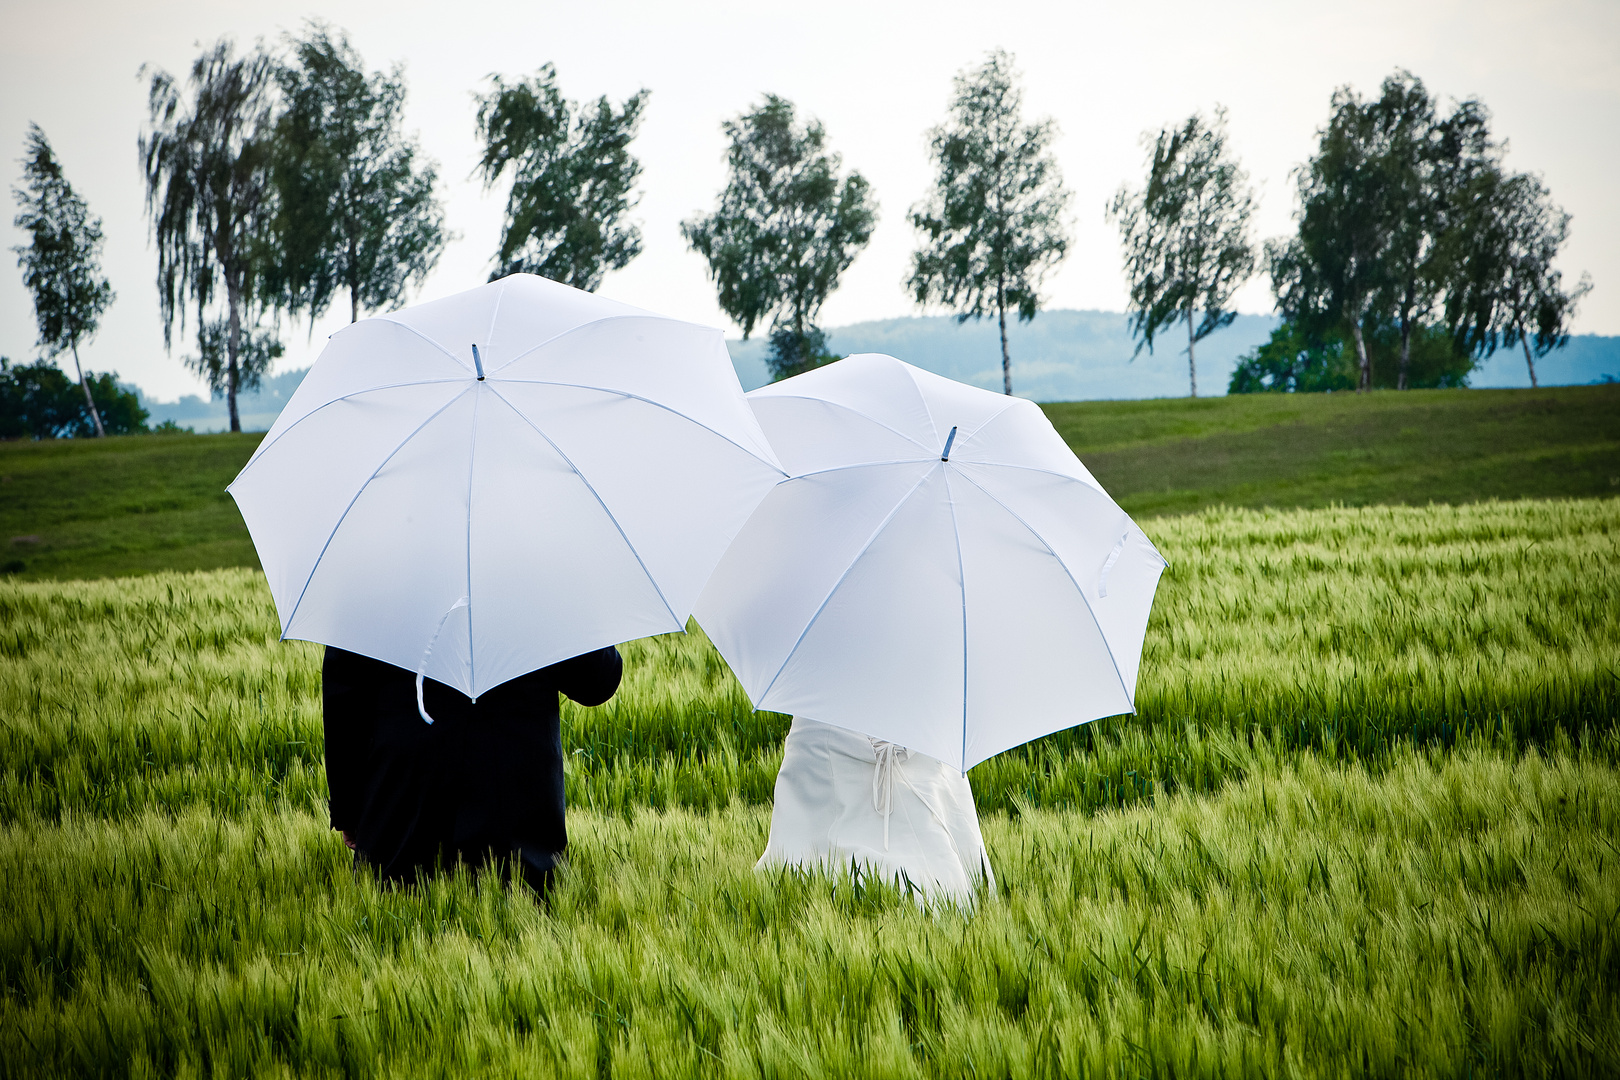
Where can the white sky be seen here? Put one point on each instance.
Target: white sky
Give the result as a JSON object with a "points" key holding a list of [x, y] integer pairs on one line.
{"points": [[876, 73]]}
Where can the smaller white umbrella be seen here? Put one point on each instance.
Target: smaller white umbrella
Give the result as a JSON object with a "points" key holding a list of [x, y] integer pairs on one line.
{"points": [[482, 485], [939, 571]]}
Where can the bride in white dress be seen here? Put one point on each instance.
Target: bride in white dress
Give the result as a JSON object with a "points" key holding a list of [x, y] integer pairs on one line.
{"points": [[842, 797]]}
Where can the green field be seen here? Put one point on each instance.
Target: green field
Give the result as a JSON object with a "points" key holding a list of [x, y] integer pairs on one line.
{"points": [[1367, 822], [138, 504]]}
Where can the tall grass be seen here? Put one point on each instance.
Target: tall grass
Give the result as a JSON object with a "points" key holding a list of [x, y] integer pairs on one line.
{"points": [[1344, 632], [1455, 914], [1365, 822]]}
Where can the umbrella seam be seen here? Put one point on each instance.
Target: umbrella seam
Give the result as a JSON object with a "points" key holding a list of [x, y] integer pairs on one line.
{"points": [[264, 448], [1130, 693], [961, 577], [597, 322], [431, 341], [648, 401], [293, 614], [999, 413], [859, 555], [857, 465], [1049, 472], [1009, 405], [922, 398], [857, 412], [489, 334], [472, 456], [599, 501]]}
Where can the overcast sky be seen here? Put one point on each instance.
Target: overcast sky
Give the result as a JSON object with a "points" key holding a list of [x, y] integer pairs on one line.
{"points": [[877, 74]]}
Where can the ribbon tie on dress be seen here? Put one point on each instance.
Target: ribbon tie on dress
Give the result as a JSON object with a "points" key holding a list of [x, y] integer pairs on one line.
{"points": [[888, 754]]}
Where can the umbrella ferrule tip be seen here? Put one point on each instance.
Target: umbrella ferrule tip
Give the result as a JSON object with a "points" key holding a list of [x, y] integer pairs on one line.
{"points": [[478, 363], [945, 454]]}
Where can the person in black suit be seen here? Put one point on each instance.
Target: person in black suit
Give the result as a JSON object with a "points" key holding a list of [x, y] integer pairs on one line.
{"points": [[483, 778]]}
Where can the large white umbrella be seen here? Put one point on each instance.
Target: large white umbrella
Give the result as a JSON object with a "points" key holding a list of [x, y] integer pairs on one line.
{"points": [[480, 486], [940, 571]]}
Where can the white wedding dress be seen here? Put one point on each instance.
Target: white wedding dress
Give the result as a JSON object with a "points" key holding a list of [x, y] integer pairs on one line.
{"points": [[844, 797]]}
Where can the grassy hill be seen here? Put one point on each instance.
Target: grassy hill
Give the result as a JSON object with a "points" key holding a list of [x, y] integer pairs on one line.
{"points": [[139, 504]]}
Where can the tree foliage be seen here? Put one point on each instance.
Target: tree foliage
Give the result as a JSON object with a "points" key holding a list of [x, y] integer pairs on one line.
{"points": [[786, 228], [1186, 234], [1407, 219], [355, 207], [1328, 276], [257, 350], [572, 179], [1508, 290], [61, 263], [1298, 361], [1430, 167], [206, 159], [39, 401], [992, 226]]}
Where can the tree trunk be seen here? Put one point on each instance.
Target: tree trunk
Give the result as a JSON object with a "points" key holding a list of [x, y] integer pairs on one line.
{"points": [[101, 432], [1361, 355], [1006, 358], [1525, 341], [233, 346], [354, 286], [1406, 350], [1192, 368]]}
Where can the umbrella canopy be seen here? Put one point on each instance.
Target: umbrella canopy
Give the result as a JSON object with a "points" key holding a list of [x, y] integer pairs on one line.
{"points": [[480, 486], [939, 571]]}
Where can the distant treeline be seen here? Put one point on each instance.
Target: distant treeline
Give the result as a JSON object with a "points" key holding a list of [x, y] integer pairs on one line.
{"points": [[279, 180]]}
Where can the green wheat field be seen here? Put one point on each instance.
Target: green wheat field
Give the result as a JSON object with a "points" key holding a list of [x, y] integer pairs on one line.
{"points": [[1366, 822]]}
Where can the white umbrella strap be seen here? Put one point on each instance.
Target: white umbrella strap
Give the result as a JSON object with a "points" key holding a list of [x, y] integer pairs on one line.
{"points": [[427, 653], [888, 755], [1113, 557]]}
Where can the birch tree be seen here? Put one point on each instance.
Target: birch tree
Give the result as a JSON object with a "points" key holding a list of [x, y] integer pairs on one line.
{"points": [[572, 179], [993, 224], [1186, 234], [356, 209], [205, 159], [786, 228], [61, 263]]}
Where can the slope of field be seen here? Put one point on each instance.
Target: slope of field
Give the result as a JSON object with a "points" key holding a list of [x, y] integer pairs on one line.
{"points": [[94, 508], [129, 504], [1413, 448], [1363, 824]]}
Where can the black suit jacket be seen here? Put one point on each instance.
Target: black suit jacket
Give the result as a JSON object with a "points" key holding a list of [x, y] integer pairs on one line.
{"points": [[482, 777]]}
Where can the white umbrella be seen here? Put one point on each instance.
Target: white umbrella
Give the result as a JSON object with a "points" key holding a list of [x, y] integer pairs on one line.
{"points": [[940, 571], [480, 486]]}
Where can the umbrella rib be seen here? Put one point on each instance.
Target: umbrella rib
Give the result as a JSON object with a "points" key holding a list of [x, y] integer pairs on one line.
{"points": [[264, 447], [859, 555], [961, 576], [357, 493], [857, 412], [599, 501], [1130, 694], [645, 401]]}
